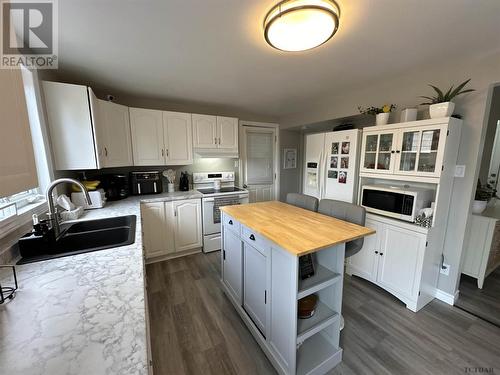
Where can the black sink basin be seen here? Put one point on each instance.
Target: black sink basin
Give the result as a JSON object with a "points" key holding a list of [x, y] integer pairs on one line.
{"points": [[83, 237]]}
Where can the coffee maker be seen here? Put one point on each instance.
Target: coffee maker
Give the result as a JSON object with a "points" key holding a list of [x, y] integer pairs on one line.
{"points": [[184, 182], [116, 186]]}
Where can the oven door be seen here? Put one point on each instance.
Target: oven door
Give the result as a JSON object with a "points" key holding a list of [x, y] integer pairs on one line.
{"points": [[209, 227], [388, 203]]}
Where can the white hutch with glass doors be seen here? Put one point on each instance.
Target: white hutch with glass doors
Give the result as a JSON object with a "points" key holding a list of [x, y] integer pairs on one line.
{"points": [[402, 257]]}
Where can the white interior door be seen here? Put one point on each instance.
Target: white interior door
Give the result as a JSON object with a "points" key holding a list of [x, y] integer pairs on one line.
{"points": [[258, 162]]}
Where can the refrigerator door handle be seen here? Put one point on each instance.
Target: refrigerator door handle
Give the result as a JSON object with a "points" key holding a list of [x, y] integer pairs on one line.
{"points": [[319, 176]]}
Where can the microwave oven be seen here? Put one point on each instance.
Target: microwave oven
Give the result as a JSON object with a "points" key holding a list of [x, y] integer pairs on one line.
{"points": [[399, 202]]}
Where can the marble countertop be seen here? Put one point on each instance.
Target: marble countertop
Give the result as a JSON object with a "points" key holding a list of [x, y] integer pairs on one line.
{"points": [[81, 314]]}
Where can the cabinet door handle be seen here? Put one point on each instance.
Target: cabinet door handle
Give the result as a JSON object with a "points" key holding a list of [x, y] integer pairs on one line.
{"points": [[219, 140], [223, 254], [398, 151], [105, 151], [252, 237], [162, 152], [265, 297], [215, 140], [167, 152], [230, 222]]}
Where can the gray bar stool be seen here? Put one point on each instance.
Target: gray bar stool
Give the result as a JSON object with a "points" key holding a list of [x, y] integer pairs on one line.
{"points": [[303, 201], [348, 212]]}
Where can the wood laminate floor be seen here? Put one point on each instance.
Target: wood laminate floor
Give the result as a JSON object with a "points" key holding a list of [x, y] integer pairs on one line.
{"points": [[195, 329], [484, 303]]}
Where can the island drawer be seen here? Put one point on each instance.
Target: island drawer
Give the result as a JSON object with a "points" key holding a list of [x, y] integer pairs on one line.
{"points": [[255, 240], [232, 224]]}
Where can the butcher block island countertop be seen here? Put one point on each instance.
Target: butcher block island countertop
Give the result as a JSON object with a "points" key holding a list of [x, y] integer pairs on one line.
{"points": [[295, 229]]}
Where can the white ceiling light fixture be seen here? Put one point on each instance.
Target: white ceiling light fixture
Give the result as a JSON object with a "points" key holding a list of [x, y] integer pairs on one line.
{"points": [[299, 25]]}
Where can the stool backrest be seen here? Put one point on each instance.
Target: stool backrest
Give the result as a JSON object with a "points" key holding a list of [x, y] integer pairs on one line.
{"points": [[303, 201]]}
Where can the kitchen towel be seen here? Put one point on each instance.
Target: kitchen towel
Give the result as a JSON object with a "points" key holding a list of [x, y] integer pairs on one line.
{"points": [[221, 202]]}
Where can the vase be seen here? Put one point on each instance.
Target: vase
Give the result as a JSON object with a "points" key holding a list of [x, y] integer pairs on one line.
{"points": [[440, 110], [479, 206], [409, 114], [382, 118]]}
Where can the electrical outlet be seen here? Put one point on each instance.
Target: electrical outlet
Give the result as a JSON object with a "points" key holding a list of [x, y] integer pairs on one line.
{"points": [[445, 269]]}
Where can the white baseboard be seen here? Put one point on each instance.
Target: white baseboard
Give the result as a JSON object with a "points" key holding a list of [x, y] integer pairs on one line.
{"points": [[446, 297]]}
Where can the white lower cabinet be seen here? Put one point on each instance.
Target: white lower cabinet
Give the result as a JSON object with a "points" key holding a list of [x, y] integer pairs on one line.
{"points": [[232, 263], [158, 228], [392, 258], [171, 227], [187, 224], [255, 285]]}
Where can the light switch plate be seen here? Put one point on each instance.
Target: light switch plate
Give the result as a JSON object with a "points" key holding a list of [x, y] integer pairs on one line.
{"points": [[459, 170]]}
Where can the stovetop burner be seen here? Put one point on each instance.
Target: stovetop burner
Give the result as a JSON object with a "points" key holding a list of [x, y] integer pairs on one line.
{"points": [[222, 190]]}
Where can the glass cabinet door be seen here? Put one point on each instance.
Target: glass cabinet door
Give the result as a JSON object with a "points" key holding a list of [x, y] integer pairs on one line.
{"points": [[384, 154], [429, 146], [409, 151], [370, 152]]}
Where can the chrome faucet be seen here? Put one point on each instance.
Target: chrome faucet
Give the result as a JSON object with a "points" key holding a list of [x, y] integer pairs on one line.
{"points": [[52, 214]]}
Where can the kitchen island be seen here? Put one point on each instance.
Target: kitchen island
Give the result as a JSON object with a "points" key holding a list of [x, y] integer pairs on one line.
{"points": [[262, 244]]}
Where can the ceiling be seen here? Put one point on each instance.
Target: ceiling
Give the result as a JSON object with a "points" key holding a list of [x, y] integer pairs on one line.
{"points": [[213, 51]]}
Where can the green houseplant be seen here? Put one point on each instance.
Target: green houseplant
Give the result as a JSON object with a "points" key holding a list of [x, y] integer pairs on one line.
{"points": [[381, 113], [441, 105]]}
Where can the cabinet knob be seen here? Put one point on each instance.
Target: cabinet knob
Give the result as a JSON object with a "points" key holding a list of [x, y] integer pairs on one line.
{"points": [[381, 254], [252, 237], [393, 152], [398, 151], [376, 252], [230, 222]]}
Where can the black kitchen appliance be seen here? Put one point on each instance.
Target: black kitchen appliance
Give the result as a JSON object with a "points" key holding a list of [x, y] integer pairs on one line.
{"points": [[184, 182], [145, 183], [116, 186]]}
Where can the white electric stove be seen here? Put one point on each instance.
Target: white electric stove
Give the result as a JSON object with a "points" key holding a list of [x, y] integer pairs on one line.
{"points": [[218, 190]]}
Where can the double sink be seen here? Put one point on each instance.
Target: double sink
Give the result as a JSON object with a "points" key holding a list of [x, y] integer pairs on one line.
{"points": [[82, 237]]}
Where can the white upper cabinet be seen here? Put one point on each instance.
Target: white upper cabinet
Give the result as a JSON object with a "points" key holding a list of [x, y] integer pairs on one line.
{"points": [[70, 126], [407, 151], [215, 136], [115, 133], [177, 132], [17, 162], [147, 136], [204, 131], [227, 131], [161, 138]]}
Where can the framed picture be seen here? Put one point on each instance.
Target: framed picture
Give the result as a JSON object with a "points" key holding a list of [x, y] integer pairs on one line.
{"points": [[333, 174], [289, 158], [342, 177], [345, 148], [334, 162], [335, 148], [344, 163]]}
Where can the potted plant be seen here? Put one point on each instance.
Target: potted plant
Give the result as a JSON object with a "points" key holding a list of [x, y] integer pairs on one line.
{"points": [[441, 104], [483, 194], [381, 113]]}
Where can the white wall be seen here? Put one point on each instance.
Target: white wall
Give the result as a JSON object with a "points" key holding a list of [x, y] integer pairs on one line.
{"points": [[404, 90]]}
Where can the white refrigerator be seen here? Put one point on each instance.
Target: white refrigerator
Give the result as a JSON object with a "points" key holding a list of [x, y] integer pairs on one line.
{"points": [[331, 168]]}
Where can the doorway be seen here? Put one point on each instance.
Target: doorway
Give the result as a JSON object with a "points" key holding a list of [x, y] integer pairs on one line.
{"points": [[259, 160]]}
